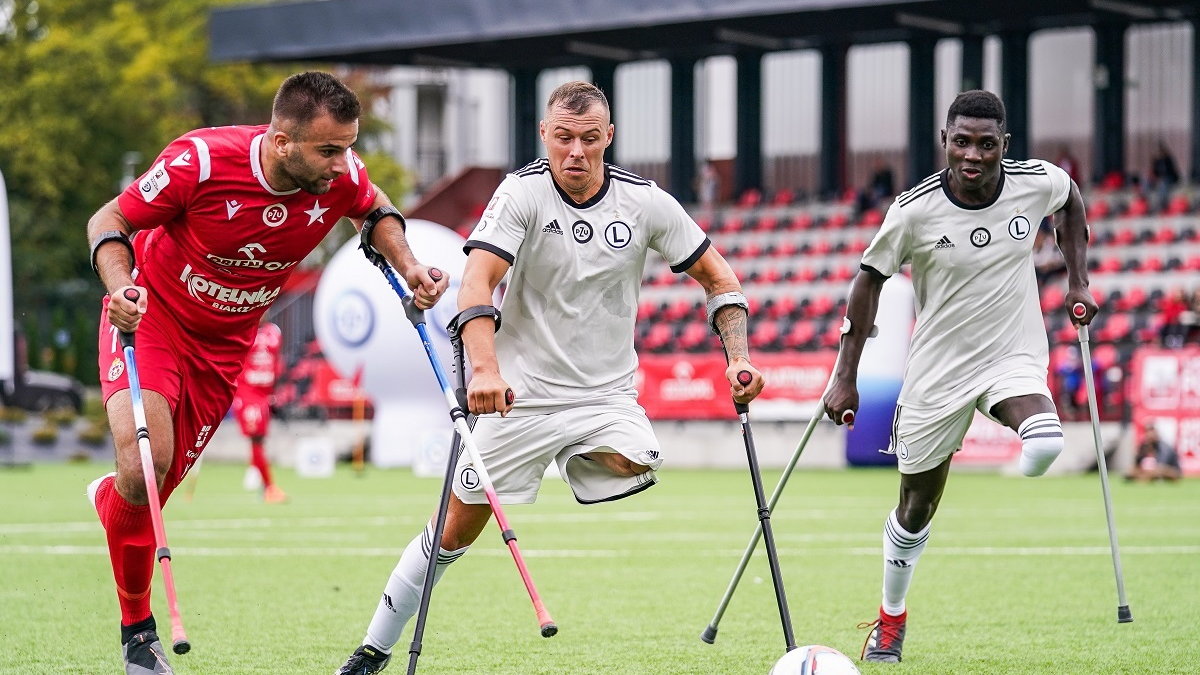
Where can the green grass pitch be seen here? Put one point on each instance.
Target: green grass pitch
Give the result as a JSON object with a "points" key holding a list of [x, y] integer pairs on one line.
{"points": [[1017, 577]]}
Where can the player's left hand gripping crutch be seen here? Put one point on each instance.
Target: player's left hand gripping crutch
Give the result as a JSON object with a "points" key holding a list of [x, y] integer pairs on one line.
{"points": [[764, 515], [179, 639], [710, 632], [1124, 615], [458, 416]]}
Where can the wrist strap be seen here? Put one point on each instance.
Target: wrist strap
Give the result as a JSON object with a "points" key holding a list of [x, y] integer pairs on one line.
{"points": [[104, 238]]}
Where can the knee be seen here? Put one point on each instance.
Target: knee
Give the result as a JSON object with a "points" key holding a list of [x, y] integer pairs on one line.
{"points": [[914, 514]]}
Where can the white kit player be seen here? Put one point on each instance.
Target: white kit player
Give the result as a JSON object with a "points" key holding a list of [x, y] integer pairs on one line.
{"points": [[575, 233], [979, 341]]}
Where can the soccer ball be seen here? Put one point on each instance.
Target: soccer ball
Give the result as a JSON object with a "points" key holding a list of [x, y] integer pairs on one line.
{"points": [[814, 660]]}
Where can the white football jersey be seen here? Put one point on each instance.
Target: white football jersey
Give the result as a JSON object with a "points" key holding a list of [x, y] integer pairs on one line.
{"points": [[569, 309], [978, 312]]}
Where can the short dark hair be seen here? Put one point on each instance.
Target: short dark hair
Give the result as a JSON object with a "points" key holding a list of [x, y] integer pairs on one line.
{"points": [[977, 103], [577, 97], [304, 96]]}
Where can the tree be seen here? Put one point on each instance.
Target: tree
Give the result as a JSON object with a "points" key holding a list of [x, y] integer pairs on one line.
{"points": [[85, 84]]}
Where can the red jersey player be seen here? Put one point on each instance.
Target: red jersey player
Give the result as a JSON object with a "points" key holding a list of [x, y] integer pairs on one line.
{"points": [[221, 219], [252, 402]]}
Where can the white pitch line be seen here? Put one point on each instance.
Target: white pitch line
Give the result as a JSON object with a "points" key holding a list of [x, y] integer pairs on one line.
{"points": [[265, 552]]}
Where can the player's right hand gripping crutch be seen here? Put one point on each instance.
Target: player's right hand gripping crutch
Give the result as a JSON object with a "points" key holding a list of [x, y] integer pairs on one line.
{"points": [[180, 644], [459, 418], [1124, 615], [709, 634]]}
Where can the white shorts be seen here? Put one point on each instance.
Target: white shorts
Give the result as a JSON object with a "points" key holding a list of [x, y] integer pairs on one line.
{"points": [[922, 438], [517, 450]]}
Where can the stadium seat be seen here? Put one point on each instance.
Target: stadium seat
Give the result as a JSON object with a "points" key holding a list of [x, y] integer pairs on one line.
{"points": [[659, 336], [1178, 206], [1097, 209], [1137, 208], [693, 337], [800, 335], [749, 198], [1116, 328], [783, 197], [763, 334], [766, 223], [1052, 299], [1165, 235], [871, 218], [1124, 236], [802, 221]]}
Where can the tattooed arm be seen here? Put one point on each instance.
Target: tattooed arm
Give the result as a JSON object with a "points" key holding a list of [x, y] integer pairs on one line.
{"points": [[729, 321]]}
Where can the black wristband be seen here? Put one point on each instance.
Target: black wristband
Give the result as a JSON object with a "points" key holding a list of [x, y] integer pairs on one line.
{"points": [[104, 238]]}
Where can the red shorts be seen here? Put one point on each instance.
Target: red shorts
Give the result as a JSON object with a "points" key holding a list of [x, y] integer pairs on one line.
{"points": [[197, 386], [253, 414]]}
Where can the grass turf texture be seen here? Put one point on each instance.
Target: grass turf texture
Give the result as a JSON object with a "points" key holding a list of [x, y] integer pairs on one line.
{"points": [[1017, 577]]}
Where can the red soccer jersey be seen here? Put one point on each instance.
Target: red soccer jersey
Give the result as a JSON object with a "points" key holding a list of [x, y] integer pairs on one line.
{"points": [[262, 364], [221, 240]]}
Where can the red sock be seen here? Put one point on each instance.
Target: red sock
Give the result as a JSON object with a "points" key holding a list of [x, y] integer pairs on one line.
{"points": [[130, 548], [258, 457]]}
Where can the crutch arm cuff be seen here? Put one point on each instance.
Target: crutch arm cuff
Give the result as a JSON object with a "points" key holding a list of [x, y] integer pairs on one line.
{"points": [[368, 228], [454, 328]]}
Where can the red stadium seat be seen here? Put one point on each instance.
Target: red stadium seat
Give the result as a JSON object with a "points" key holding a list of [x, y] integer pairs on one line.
{"points": [[658, 337], [1151, 264], [765, 224], [1097, 209], [1052, 299], [783, 197], [800, 335], [750, 197], [1165, 235], [1178, 206], [1116, 328], [764, 333], [1124, 236], [1137, 208], [838, 220], [694, 336], [1105, 355], [802, 221], [871, 218]]}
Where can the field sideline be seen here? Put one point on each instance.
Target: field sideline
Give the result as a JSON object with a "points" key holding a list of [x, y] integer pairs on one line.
{"points": [[1017, 577]]}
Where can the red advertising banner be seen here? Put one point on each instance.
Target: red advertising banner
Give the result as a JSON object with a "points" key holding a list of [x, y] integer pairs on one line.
{"points": [[693, 386], [1165, 392], [988, 443]]}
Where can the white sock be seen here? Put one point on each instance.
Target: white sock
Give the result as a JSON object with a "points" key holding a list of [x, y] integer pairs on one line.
{"points": [[1041, 442], [402, 595], [901, 549]]}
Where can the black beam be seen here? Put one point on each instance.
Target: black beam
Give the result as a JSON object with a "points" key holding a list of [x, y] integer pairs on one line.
{"points": [[972, 62], [1195, 126], [747, 165], [604, 76], [833, 119], [1014, 87], [525, 107], [683, 130], [920, 108], [1110, 100]]}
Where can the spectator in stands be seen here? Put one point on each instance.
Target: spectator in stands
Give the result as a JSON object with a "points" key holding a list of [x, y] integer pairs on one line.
{"points": [[1173, 308], [881, 187], [1067, 162], [1155, 458], [1164, 175]]}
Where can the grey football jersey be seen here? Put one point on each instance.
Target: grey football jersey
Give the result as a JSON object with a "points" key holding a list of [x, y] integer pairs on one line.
{"points": [[978, 315], [572, 296]]}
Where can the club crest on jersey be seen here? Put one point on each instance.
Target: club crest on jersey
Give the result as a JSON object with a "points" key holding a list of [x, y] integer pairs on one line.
{"points": [[154, 182], [468, 478], [582, 231], [115, 370], [274, 215], [980, 237], [618, 234], [1019, 228]]}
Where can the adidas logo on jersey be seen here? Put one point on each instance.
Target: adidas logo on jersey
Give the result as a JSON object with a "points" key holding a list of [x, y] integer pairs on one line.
{"points": [[552, 227], [944, 242]]}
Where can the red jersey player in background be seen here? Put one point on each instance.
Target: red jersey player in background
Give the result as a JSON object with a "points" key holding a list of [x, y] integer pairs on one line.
{"points": [[219, 221], [252, 402]]}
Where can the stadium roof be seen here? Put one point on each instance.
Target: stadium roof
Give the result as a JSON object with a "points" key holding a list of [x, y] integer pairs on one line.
{"points": [[548, 33]]}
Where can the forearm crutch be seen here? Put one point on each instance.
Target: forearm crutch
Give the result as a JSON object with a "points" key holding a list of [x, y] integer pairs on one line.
{"points": [[710, 632], [458, 417], [163, 552], [1124, 615]]}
